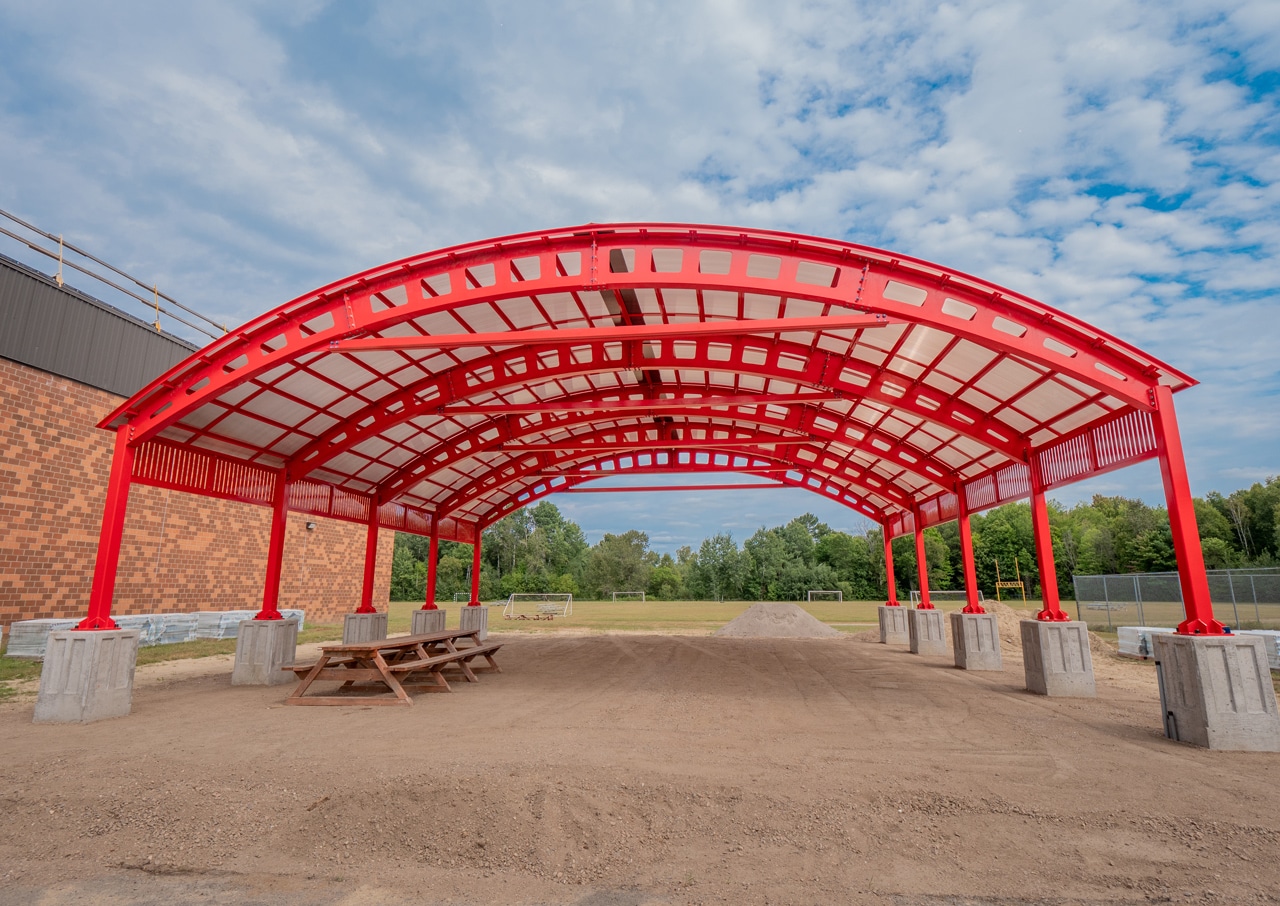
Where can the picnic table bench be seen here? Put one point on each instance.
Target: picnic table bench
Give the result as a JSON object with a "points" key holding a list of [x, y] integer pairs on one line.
{"points": [[411, 660]]}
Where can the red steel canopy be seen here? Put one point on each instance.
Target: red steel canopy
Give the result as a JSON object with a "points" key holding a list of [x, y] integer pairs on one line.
{"points": [[438, 393]]}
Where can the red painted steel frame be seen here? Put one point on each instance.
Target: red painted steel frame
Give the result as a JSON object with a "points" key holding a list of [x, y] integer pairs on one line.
{"points": [[1182, 522], [433, 566], [370, 565], [922, 572], [1052, 611], [475, 575], [966, 558], [629, 332], [275, 553], [829, 290], [755, 486], [888, 568], [104, 569]]}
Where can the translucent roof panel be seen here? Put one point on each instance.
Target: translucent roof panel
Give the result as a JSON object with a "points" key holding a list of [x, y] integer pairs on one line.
{"points": [[472, 379]]}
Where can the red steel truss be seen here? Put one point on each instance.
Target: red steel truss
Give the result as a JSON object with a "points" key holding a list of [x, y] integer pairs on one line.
{"points": [[436, 394]]}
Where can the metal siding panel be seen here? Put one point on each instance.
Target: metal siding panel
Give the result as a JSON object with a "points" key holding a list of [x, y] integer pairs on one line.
{"points": [[64, 332]]}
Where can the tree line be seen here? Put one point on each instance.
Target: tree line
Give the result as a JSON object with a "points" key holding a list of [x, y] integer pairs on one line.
{"points": [[536, 549]]}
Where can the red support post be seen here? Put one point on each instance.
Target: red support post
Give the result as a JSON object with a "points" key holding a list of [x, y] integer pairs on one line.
{"points": [[1182, 521], [103, 590], [370, 562], [966, 558], [922, 569], [1052, 611], [475, 572], [275, 551], [433, 554], [888, 568]]}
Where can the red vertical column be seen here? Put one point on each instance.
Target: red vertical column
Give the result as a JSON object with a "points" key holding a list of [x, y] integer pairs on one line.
{"points": [[1182, 521], [475, 572], [275, 551], [1052, 612], [433, 554], [966, 559], [888, 568], [103, 590], [922, 568], [370, 562]]}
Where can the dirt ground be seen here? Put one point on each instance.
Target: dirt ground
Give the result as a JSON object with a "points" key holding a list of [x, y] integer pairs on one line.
{"points": [[627, 769]]}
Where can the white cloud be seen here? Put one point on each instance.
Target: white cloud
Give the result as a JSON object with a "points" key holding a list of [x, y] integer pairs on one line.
{"points": [[1117, 158]]}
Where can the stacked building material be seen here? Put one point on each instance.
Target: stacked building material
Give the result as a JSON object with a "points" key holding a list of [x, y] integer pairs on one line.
{"points": [[1135, 641], [175, 627], [221, 624], [27, 639], [1270, 638]]}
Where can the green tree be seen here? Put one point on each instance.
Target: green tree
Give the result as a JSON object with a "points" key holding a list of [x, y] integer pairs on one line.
{"points": [[619, 563], [716, 572]]}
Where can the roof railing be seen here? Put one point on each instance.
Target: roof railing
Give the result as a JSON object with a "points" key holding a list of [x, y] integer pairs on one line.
{"points": [[58, 249]]}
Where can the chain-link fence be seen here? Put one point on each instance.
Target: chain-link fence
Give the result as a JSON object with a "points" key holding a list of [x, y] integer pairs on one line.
{"points": [[1242, 598]]}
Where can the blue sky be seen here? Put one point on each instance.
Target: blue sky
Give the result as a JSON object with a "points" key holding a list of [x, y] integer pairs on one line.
{"points": [[1119, 160]]}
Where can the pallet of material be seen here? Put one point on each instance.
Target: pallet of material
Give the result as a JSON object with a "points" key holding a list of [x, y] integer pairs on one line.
{"points": [[28, 638], [1135, 641]]}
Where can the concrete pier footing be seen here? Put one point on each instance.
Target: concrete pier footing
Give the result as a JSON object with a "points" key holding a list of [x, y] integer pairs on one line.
{"points": [[1216, 692], [87, 676], [975, 638], [475, 618], [926, 631], [1057, 659], [262, 648], [425, 621], [363, 627], [893, 625]]}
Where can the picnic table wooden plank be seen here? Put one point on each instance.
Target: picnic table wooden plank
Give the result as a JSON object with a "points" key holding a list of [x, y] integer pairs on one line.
{"points": [[413, 660]]}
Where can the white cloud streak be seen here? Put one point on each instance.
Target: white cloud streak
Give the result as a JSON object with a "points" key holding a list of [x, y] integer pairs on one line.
{"points": [[1119, 159]]}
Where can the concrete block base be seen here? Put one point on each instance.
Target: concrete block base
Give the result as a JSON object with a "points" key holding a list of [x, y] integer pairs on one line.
{"points": [[87, 675], [893, 625], [363, 627], [1057, 658], [975, 638], [262, 648], [926, 632], [1217, 692], [475, 618], [425, 621]]}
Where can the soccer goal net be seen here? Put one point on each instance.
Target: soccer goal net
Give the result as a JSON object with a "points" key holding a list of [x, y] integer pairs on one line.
{"points": [[826, 595], [628, 596], [938, 597], [535, 606]]}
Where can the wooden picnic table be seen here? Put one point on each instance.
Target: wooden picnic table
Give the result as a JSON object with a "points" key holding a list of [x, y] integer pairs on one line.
{"points": [[410, 660]]}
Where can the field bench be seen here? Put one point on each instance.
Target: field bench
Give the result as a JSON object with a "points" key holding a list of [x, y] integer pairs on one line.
{"points": [[418, 661]]}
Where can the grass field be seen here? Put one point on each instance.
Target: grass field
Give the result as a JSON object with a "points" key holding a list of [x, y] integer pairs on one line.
{"points": [[662, 616]]}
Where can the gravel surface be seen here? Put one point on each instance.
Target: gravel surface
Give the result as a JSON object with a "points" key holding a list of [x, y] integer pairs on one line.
{"points": [[627, 769], [768, 620]]}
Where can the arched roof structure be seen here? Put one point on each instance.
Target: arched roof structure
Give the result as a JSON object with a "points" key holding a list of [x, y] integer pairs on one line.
{"points": [[437, 393]]}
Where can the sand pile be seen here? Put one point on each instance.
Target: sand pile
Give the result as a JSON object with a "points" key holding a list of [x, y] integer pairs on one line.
{"points": [[776, 621]]}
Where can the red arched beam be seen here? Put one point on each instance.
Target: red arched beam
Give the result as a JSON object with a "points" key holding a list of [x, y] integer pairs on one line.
{"points": [[710, 258], [798, 420], [538, 487], [536, 467], [518, 368]]}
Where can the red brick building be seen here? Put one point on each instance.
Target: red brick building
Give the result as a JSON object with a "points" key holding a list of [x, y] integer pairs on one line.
{"points": [[66, 361]]}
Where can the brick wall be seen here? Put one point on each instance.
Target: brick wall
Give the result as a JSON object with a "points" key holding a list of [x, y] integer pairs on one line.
{"points": [[180, 552]]}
